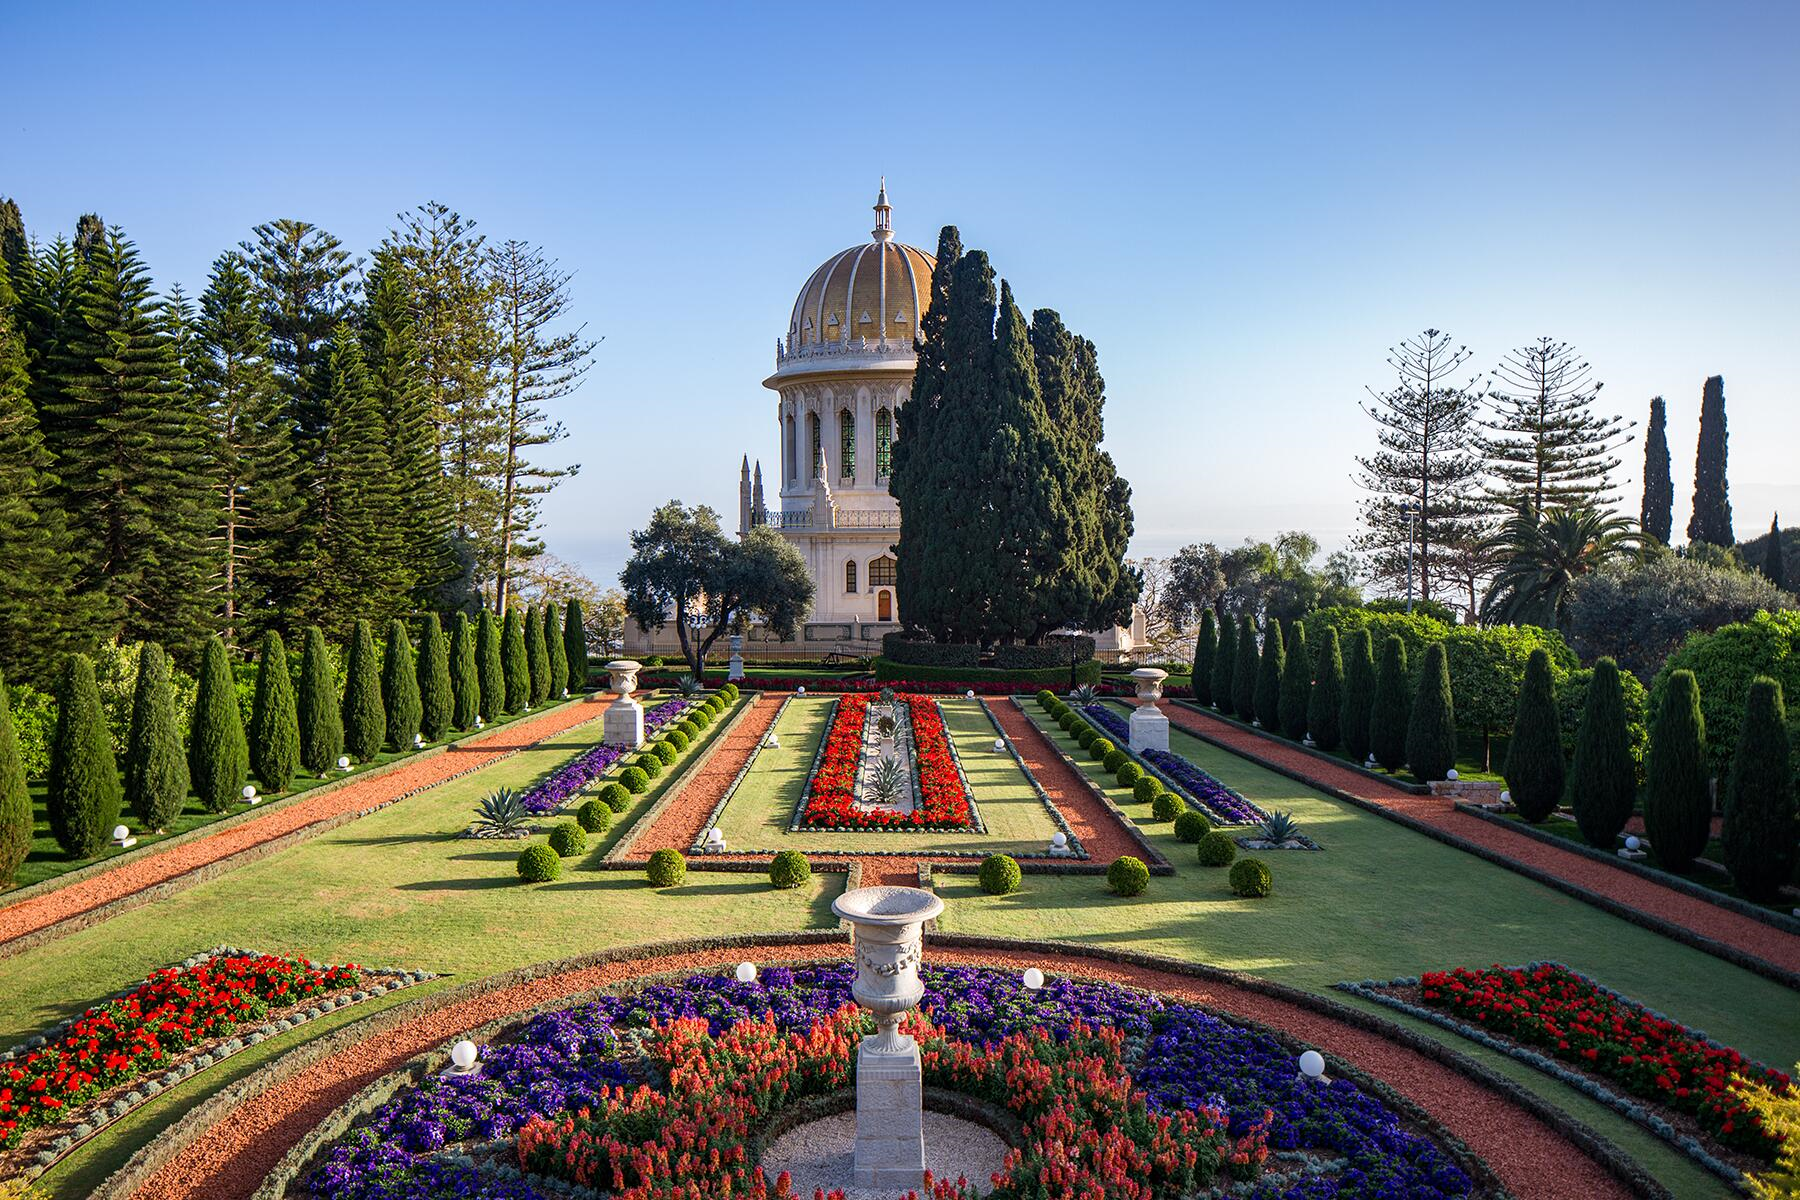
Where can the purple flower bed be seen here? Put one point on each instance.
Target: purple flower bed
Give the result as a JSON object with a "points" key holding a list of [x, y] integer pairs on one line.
{"points": [[1338, 1141], [574, 777], [1229, 806]]}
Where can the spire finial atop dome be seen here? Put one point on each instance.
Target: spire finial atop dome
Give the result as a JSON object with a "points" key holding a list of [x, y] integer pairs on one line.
{"points": [[884, 228]]}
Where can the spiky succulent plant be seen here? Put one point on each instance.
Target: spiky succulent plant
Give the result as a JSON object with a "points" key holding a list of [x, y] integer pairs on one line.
{"points": [[500, 815], [885, 783], [1280, 827], [1085, 693], [687, 685]]}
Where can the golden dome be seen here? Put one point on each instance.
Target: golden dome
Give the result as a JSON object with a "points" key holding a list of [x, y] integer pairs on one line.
{"points": [[875, 292]]}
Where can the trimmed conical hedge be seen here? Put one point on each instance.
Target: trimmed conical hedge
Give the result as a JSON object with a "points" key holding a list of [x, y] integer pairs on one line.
{"points": [[1243, 671], [156, 766], [1296, 686], [575, 645], [1678, 795], [1603, 779], [1390, 716], [487, 666], [465, 676], [218, 753], [1534, 758], [537, 657], [1325, 702], [400, 688], [1268, 676], [274, 722], [84, 791], [514, 662], [1431, 726], [365, 718], [1206, 645], [437, 700], [555, 651], [15, 795], [1356, 715], [1759, 828], [321, 718], [1224, 659]]}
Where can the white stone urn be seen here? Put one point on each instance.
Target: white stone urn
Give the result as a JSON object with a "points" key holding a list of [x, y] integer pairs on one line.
{"points": [[734, 670], [1149, 728], [623, 724], [1149, 681], [624, 672]]}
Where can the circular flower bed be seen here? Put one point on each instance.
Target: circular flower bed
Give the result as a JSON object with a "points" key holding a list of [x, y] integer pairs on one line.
{"points": [[667, 1091]]}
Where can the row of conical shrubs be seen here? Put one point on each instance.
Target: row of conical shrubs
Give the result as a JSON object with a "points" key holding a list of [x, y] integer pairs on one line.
{"points": [[476, 672]]}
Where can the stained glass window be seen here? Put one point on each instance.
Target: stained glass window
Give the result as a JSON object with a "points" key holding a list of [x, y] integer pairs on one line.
{"points": [[818, 448], [884, 444], [846, 444]]}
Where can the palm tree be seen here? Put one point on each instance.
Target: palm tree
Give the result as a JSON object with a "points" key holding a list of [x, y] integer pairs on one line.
{"points": [[1542, 559]]}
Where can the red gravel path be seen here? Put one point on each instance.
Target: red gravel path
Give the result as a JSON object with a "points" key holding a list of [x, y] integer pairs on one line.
{"points": [[230, 1159], [154, 865], [1626, 887]]}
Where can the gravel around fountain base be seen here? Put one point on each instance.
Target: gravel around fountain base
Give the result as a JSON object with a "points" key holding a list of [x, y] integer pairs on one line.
{"points": [[818, 1154]]}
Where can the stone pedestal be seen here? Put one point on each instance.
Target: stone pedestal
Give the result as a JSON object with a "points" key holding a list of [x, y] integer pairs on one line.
{"points": [[735, 670], [1149, 729], [890, 1131], [623, 724]]}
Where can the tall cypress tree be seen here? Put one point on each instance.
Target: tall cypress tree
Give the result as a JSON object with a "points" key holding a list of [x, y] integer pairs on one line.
{"points": [[1325, 701], [1678, 797], [575, 643], [321, 717], [1657, 515], [1268, 676], [1224, 659], [488, 666], [1357, 714], [13, 244], [1243, 671], [156, 767], [274, 721], [437, 697], [1603, 778], [218, 753], [15, 795], [554, 652], [917, 482], [1296, 684], [465, 676], [400, 688], [84, 791], [365, 719], [1760, 828], [1390, 717], [1206, 645], [1431, 726], [537, 656], [515, 664], [1711, 520], [1774, 568], [1534, 758]]}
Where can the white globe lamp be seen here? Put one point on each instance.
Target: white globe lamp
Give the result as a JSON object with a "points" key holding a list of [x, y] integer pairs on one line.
{"points": [[343, 762], [1312, 1064], [746, 972], [1034, 979], [999, 745], [1450, 774]]}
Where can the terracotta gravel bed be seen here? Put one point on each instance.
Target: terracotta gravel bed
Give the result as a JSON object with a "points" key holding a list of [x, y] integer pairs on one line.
{"points": [[1743, 933], [1532, 1159], [155, 866]]}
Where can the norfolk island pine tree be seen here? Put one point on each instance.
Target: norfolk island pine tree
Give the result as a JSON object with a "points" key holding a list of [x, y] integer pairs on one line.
{"points": [[555, 651], [1206, 645], [465, 675], [84, 792], [1431, 726], [365, 719], [156, 766], [274, 723], [400, 698], [1357, 712], [1388, 720], [1243, 671], [487, 666], [1533, 769], [15, 795], [575, 643], [1296, 686], [218, 752], [1760, 828], [514, 663], [437, 700], [1224, 658], [1326, 699], [1603, 777], [1677, 791], [321, 717]]}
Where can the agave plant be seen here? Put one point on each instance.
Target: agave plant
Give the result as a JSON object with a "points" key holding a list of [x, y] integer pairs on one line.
{"points": [[886, 696], [1280, 827], [687, 685], [884, 785], [886, 726], [500, 815], [1085, 693]]}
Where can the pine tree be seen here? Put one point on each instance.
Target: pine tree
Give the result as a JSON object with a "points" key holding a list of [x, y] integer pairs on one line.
{"points": [[1326, 700], [1431, 726], [321, 717], [1774, 568], [515, 664], [16, 819], [1268, 676], [1760, 828], [1711, 519], [437, 698], [400, 697], [575, 643], [365, 720], [218, 754], [554, 653], [919, 482], [537, 656], [488, 666], [1244, 670], [1296, 685], [1534, 758], [306, 281], [156, 767], [1603, 778], [1224, 659], [1206, 646], [465, 676], [90, 235], [1678, 795], [1391, 716], [274, 723], [1357, 714], [84, 792], [1544, 444], [14, 247], [1657, 515]]}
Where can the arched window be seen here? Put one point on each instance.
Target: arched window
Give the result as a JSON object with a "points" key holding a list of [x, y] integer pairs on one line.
{"points": [[884, 443], [817, 458], [850, 576], [788, 456], [846, 444], [881, 572]]}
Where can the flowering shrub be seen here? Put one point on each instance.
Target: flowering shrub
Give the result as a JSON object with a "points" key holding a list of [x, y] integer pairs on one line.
{"points": [[172, 1010], [1577, 1020], [1229, 806], [831, 801], [574, 777]]}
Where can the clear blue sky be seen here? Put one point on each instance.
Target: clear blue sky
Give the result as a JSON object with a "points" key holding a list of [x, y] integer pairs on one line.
{"points": [[1243, 205]]}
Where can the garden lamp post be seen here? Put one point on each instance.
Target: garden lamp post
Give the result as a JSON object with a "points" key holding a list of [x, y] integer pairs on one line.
{"points": [[1412, 511]]}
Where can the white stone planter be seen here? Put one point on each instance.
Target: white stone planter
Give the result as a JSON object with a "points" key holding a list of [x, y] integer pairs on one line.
{"points": [[623, 724]]}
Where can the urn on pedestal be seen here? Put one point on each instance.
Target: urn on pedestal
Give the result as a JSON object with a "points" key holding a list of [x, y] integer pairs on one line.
{"points": [[1149, 728], [624, 721]]}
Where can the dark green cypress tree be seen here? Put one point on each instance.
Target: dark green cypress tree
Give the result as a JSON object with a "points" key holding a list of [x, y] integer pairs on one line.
{"points": [[1296, 685], [15, 795], [575, 643], [488, 666], [1773, 567], [1206, 646], [515, 664], [218, 754], [1224, 659], [1357, 714], [1390, 717], [1711, 519], [1678, 795], [1268, 676], [84, 791], [1431, 726], [1534, 759], [156, 767], [437, 698], [321, 717], [274, 721], [1243, 671], [1603, 777], [365, 718], [1326, 700], [554, 652], [1760, 829], [400, 688], [465, 677], [1657, 514], [14, 245], [917, 480], [537, 656]]}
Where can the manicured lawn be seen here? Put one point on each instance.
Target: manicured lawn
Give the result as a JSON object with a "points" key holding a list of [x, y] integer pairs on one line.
{"points": [[759, 813], [1469, 764]]}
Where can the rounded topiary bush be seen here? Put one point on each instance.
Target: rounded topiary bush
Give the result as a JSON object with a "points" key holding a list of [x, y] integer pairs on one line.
{"points": [[1066, 717], [678, 740], [1216, 849], [665, 751], [1085, 737], [1191, 826], [1146, 789], [1099, 748], [789, 869], [1250, 878], [539, 864], [568, 839], [666, 869], [1167, 806], [1046, 699], [999, 875], [594, 816], [1128, 876], [690, 727], [1114, 760], [634, 780], [1128, 773], [615, 797], [648, 763]]}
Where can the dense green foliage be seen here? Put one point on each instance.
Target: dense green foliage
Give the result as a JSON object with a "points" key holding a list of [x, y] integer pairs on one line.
{"points": [[15, 795], [1191, 826], [1431, 726], [1269, 670], [614, 796], [1296, 686], [1147, 789], [556, 656], [1639, 613], [218, 752], [1224, 661], [537, 656], [321, 716], [84, 792], [400, 697], [539, 864], [594, 816], [1216, 849], [1206, 648], [1725, 661], [156, 766], [1711, 518], [1415, 630], [1603, 776], [1656, 515], [1389, 719], [999, 875], [666, 868], [365, 718], [1357, 714], [1127, 774], [1534, 758], [568, 839], [1571, 706], [575, 646], [465, 677], [488, 668], [789, 869], [515, 663], [1760, 828], [1128, 876], [437, 696], [1244, 671], [274, 725], [1544, 555], [1325, 700], [1250, 878], [635, 780], [1166, 806], [1487, 667], [1678, 796]]}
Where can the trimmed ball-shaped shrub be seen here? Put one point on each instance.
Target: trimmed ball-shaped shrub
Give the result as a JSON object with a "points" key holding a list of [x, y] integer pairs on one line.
{"points": [[594, 816], [615, 797], [999, 875], [678, 740], [1191, 826], [568, 839], [1085, 737], [648, 763], [539, 864], [1046, 699], [664, 751], [789, 869], [1216, 849], [690, 727], [1114, 760], [729, 692], [667, 868], [1128, 773], [1250, 878], [1099, 748], [1128, 876], [1167, 806], [1146, 789], [634, 780]]}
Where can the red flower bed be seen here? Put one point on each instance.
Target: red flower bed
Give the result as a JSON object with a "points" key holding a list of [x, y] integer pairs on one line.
{"points": [[929, 687], [172, 1010], [1575, 1019], [943, 801]]}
